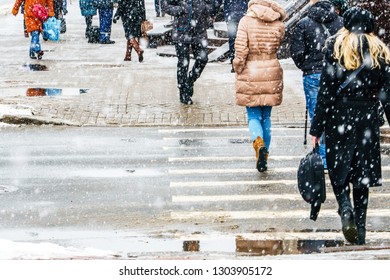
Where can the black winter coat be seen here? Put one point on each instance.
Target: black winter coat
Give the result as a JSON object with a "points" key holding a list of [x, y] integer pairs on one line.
{"points": [[191, 19], [132, 13], [350, 121], [309, 37]]}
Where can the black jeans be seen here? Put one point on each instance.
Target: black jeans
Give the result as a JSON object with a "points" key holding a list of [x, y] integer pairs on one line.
{"points": [[199, 51]]}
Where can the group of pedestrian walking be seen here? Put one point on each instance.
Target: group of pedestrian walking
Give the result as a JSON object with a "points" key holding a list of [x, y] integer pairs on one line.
{"points": [[32, 24], [342, 49]]}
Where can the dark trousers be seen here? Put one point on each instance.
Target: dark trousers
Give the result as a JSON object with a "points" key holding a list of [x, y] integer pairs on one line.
{"points": [[105, 19], [232, 27], [199, 51]]}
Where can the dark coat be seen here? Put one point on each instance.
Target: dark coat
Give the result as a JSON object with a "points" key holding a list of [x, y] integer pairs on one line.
{"points": [[233, 10], [350, 121], [381, 11], [132, 13], [191, 19], [309, 37]]}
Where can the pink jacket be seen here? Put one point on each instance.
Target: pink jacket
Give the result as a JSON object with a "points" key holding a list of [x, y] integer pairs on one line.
{"points": [[259, 76]]}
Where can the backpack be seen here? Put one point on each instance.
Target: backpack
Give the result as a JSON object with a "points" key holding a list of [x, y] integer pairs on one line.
{"points": [[93, 34], [311, 181]]}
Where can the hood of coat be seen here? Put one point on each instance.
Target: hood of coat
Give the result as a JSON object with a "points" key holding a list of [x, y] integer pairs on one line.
{"points": [[322, 12], [266, 10]]}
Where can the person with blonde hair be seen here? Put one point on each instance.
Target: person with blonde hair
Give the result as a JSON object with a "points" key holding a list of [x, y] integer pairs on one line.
{"points": [[259, 76], [356, 76]]}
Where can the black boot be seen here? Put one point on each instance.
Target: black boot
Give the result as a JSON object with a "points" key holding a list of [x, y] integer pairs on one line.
{"points": [[346, 213], [348, 225], [360, 201], [185, 98]]}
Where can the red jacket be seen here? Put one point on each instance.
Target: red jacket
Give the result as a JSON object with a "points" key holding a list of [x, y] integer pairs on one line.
{"points": [[32, 23]]}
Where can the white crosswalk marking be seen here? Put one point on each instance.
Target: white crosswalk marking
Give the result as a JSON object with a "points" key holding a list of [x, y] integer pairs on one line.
{"points": [[213, 177]]}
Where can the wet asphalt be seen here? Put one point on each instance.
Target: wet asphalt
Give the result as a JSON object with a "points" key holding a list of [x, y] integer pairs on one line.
{"points": [[107, 157]]}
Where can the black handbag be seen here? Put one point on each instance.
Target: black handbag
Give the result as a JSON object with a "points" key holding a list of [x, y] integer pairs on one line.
{"points": [[311, 181]]}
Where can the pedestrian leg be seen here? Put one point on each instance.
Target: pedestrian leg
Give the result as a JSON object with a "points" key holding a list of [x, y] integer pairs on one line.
{"points": [[360, 202]]}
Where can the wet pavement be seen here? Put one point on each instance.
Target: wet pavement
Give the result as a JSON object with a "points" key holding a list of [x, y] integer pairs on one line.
{"points": [[81, 84]]}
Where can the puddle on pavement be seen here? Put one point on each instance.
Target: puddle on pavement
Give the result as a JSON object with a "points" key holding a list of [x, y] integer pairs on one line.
{"points": [[35, 67], [55, 91], [234, 245], [284, 247]]}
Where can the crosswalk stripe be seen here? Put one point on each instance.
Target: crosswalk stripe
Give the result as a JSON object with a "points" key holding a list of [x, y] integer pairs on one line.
{"points": [[258, 197], [224, 137], [239, 170], [290, 214], [230, 171], [234, 158], [230, 183], [187, 130], [241, 183]]}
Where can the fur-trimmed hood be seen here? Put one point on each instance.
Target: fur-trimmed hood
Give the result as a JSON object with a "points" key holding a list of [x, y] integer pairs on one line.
{"points": [[266, 10]]}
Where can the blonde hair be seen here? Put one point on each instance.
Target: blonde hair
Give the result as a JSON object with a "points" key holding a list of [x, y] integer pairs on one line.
{"points": [[348, 49]]}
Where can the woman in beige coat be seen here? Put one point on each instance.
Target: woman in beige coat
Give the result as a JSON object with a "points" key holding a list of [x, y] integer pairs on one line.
{"points": [[259, 76]]}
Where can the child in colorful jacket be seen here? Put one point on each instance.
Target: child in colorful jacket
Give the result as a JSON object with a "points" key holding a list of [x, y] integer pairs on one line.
{"points": [[33, 24]]}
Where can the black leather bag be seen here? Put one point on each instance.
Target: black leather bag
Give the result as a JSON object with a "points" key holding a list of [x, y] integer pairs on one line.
{"points": [[311, 181]]}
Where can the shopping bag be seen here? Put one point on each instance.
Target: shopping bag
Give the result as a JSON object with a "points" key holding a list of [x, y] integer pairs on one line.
{"points": [[311, 181], [51, 29]]}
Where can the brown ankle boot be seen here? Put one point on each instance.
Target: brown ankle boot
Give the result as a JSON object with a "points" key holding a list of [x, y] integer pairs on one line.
{"points": [[261, 154], [129, 47], [138, 49]]}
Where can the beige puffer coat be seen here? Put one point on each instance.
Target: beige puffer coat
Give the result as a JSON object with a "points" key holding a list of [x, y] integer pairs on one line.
{"points": [[259, 76]]}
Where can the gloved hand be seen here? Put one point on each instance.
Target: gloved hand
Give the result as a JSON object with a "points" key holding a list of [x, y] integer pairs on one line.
{"points": [[115, 19]]}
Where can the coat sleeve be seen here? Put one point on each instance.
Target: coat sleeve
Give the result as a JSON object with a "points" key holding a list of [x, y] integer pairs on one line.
{"points": [[326, 96], [297, 47], [16, 7], [384, 92], [241, 47]]}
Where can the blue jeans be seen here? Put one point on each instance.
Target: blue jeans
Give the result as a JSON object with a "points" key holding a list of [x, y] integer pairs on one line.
{"points": [[35, 46], [311, 85], [259, 123]]}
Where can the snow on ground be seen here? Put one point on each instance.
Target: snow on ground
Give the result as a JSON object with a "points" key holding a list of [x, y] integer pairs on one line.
{"points": [[11, 250]]}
